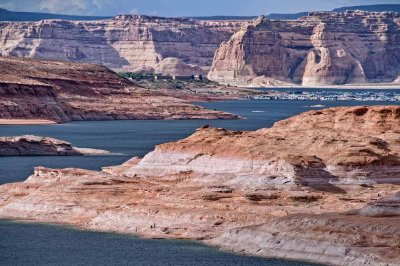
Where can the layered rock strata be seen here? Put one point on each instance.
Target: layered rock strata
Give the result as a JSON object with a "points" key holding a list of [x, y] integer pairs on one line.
{"points": [[356, 144], [134, 43], [63, 91], [321, 186], [321, 49], [29, 145]]}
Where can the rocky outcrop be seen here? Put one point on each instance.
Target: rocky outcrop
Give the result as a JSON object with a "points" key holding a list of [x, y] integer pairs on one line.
{"points": [[63, 91], [40, 146], [132, 43], [173, 66], [303, 189], [326, 48], [339, 145], [333, 239]]}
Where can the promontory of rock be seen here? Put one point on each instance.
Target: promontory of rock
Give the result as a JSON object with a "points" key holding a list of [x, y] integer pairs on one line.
{"points": [[322, 186], [66, 91], [321, 49], [29, 145]]}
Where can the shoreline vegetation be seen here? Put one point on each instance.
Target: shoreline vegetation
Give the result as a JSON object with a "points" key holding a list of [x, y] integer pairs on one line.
{"points": [[180, 82]]}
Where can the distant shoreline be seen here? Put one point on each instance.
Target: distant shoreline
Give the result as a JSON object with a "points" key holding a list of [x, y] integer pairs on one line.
{"points": [[343, 87], [5, 122]]}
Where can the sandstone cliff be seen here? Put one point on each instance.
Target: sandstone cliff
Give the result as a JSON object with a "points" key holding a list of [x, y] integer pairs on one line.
{"points": [[134, 43], [302, 189], [339, 145], [41, 146], [63, 91], [326, 48]]}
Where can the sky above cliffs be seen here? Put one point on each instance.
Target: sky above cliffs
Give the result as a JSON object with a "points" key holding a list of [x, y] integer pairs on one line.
{"points": [[180, 7]]}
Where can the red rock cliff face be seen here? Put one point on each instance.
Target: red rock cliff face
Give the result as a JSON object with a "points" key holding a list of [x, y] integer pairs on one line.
{"points": [[125, 42], [65, 91], [320, 49]]}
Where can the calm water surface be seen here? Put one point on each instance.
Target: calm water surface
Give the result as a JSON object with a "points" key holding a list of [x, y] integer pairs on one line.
{"points": [[30, 244]]}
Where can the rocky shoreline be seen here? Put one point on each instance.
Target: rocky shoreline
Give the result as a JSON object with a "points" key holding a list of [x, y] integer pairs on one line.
{"points": [[322, 186], [29, 145]]}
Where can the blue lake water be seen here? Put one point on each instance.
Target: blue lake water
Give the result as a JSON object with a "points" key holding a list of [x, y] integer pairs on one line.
{"points": [[29, 244], [33, 244]]}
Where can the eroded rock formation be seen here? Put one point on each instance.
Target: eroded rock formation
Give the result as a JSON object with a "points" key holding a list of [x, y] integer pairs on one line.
{"points": [[325, 48], [173, 66], [321, 186], [65, 91], [29, 145], [134, 43], [339, 144]]}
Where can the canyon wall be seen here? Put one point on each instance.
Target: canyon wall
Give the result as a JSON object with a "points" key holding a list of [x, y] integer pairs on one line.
{"points": [[134, 43], [323, 48]]}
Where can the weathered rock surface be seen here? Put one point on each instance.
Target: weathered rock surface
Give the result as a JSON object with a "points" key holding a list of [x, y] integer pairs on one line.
{"points": [[321, 186], [134, 43], [325, 48], [29, 145], [332, 238], [356, 144], [64, 91], [173, 66]]}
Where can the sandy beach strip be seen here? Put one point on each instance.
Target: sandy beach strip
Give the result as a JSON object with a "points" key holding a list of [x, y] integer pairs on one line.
{"points": [[26, 122]]}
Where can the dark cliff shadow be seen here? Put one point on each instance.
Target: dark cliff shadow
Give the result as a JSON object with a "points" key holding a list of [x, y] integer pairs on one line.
{"points": [[322, 182]]}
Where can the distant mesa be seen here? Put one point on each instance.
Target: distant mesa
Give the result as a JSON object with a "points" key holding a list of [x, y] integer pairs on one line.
{"points": [[371, 8], [6, 15]]}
